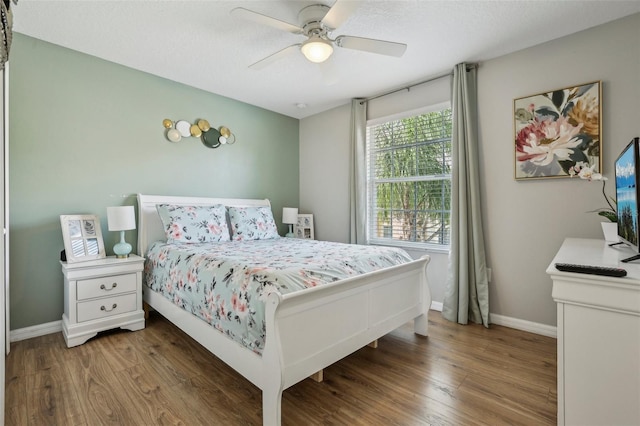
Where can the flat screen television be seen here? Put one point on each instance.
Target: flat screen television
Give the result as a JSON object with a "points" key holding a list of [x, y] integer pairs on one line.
{"points": [[627, 197]]}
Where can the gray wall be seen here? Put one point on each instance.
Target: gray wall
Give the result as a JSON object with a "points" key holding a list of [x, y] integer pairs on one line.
{"points": [[324, 172], [86, 134], [324, 184], [525, 222]]}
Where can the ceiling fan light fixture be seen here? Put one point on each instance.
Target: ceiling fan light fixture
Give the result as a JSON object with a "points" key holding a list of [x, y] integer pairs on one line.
{"points": [[317, 49]]}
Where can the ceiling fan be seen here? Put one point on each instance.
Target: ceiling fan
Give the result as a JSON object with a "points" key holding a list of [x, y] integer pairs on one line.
{"points": [[316, 22]]}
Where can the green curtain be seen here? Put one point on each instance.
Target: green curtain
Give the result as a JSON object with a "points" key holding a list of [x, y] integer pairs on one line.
{"points": [[358, 172], [467, 293]]}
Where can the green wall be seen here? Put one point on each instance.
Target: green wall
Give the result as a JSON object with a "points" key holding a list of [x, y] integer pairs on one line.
{"points": [[86, 134]]}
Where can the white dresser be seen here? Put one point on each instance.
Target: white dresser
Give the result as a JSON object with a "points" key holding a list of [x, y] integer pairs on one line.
{"points": [[598, 336], [101, 295]]}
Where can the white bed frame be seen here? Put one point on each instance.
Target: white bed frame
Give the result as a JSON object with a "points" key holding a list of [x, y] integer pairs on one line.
{"points": [[306, 331]]}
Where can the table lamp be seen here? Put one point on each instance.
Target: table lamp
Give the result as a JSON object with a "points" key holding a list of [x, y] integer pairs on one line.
{"points": [[122, 218], [289, 216]]}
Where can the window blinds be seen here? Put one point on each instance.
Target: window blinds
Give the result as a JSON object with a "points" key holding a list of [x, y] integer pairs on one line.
{"points": [[409, 179]]}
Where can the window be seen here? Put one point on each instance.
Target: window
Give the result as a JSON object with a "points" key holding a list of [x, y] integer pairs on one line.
{"points": [[409, 180]]}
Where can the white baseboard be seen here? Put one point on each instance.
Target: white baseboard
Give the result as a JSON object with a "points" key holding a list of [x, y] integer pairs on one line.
{"points": [[56, 327], [35, 331], [518, 324]]}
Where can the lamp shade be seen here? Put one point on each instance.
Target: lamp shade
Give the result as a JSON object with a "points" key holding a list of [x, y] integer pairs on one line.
{"points": [[316, 49], [121, 218], [289, 215]]}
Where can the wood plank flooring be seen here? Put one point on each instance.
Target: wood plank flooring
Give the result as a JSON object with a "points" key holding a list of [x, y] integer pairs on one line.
{"points": [[459, 375]]}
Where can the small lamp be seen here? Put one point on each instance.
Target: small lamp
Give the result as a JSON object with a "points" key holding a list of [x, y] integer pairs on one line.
{"points": [[121, 219], [289, 216]]}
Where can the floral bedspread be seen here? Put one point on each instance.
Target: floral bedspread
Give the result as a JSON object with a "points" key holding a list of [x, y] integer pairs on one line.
{"points": [[226, 283]]}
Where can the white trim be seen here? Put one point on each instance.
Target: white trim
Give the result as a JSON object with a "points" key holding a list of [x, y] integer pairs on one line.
{"points": [[515, 323], [36, 331], [373, 148], [519, 324], [4, 206], [56, 327], [5, 230], [421, 247], [411, 245], [404, 114]]}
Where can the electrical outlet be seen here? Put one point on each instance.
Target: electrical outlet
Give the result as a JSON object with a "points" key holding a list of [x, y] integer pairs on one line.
{"points": [[489, 274]]}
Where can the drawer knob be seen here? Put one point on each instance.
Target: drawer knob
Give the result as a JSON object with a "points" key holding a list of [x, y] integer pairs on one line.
{"points": [[104, 287], [102, 308]]}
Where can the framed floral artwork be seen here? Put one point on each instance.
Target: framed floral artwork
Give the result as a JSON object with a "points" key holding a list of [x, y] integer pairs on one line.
{"points": [[304, 227], [558, 130]]}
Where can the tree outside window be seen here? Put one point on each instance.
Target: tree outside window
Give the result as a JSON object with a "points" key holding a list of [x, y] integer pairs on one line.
{"points": [[409, 180]]}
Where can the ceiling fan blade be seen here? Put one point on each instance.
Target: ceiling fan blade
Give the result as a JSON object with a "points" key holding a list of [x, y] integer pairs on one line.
{"points": [[339, 12], [381, 47], [274, 57], [250, 15]]}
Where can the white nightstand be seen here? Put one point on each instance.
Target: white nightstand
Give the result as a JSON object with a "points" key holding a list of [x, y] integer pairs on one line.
{"points": [[101, 295]]}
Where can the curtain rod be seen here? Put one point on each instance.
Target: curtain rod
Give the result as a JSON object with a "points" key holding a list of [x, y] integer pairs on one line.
{"points": [[469, 67]]}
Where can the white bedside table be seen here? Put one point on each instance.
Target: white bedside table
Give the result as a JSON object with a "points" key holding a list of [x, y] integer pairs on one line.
{"points": [[100, 295]]}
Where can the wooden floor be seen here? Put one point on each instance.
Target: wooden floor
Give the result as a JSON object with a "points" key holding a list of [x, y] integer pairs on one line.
{"points": [[459, 375]]}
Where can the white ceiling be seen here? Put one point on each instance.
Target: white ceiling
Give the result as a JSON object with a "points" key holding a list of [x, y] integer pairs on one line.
{"points": [[200, 44]]}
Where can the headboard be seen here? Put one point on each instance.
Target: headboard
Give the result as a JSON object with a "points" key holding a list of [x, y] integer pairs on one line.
{"points": [[150, 227]]}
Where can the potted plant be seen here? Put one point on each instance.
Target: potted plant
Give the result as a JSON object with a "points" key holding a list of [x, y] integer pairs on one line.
{"points": [[610, 228]]}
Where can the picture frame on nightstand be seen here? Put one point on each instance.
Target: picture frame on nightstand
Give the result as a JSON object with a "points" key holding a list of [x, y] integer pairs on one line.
{"points": [[82, 235], [304, 227]]}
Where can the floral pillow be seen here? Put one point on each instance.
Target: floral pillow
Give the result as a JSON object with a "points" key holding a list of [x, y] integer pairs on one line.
{"points": [[252, 223], [194, 224]]}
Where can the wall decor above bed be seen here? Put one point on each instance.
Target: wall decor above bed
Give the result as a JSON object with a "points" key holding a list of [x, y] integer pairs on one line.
{"points": [[210, 136]]}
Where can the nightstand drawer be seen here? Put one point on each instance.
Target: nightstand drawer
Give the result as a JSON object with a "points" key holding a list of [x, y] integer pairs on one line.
{"points": [[105, 307], [105, 286]]}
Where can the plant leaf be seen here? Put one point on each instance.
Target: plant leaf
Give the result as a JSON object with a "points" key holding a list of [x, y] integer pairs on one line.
{"points": [[582, 90], [578, 156], [585, 141], [609, 215], [558, 98], [566, 165], [544, 113], [567, 108]]}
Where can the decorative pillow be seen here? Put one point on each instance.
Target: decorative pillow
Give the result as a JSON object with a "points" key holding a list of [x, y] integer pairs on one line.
{"points": [[194, 224], [252, 223]]}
